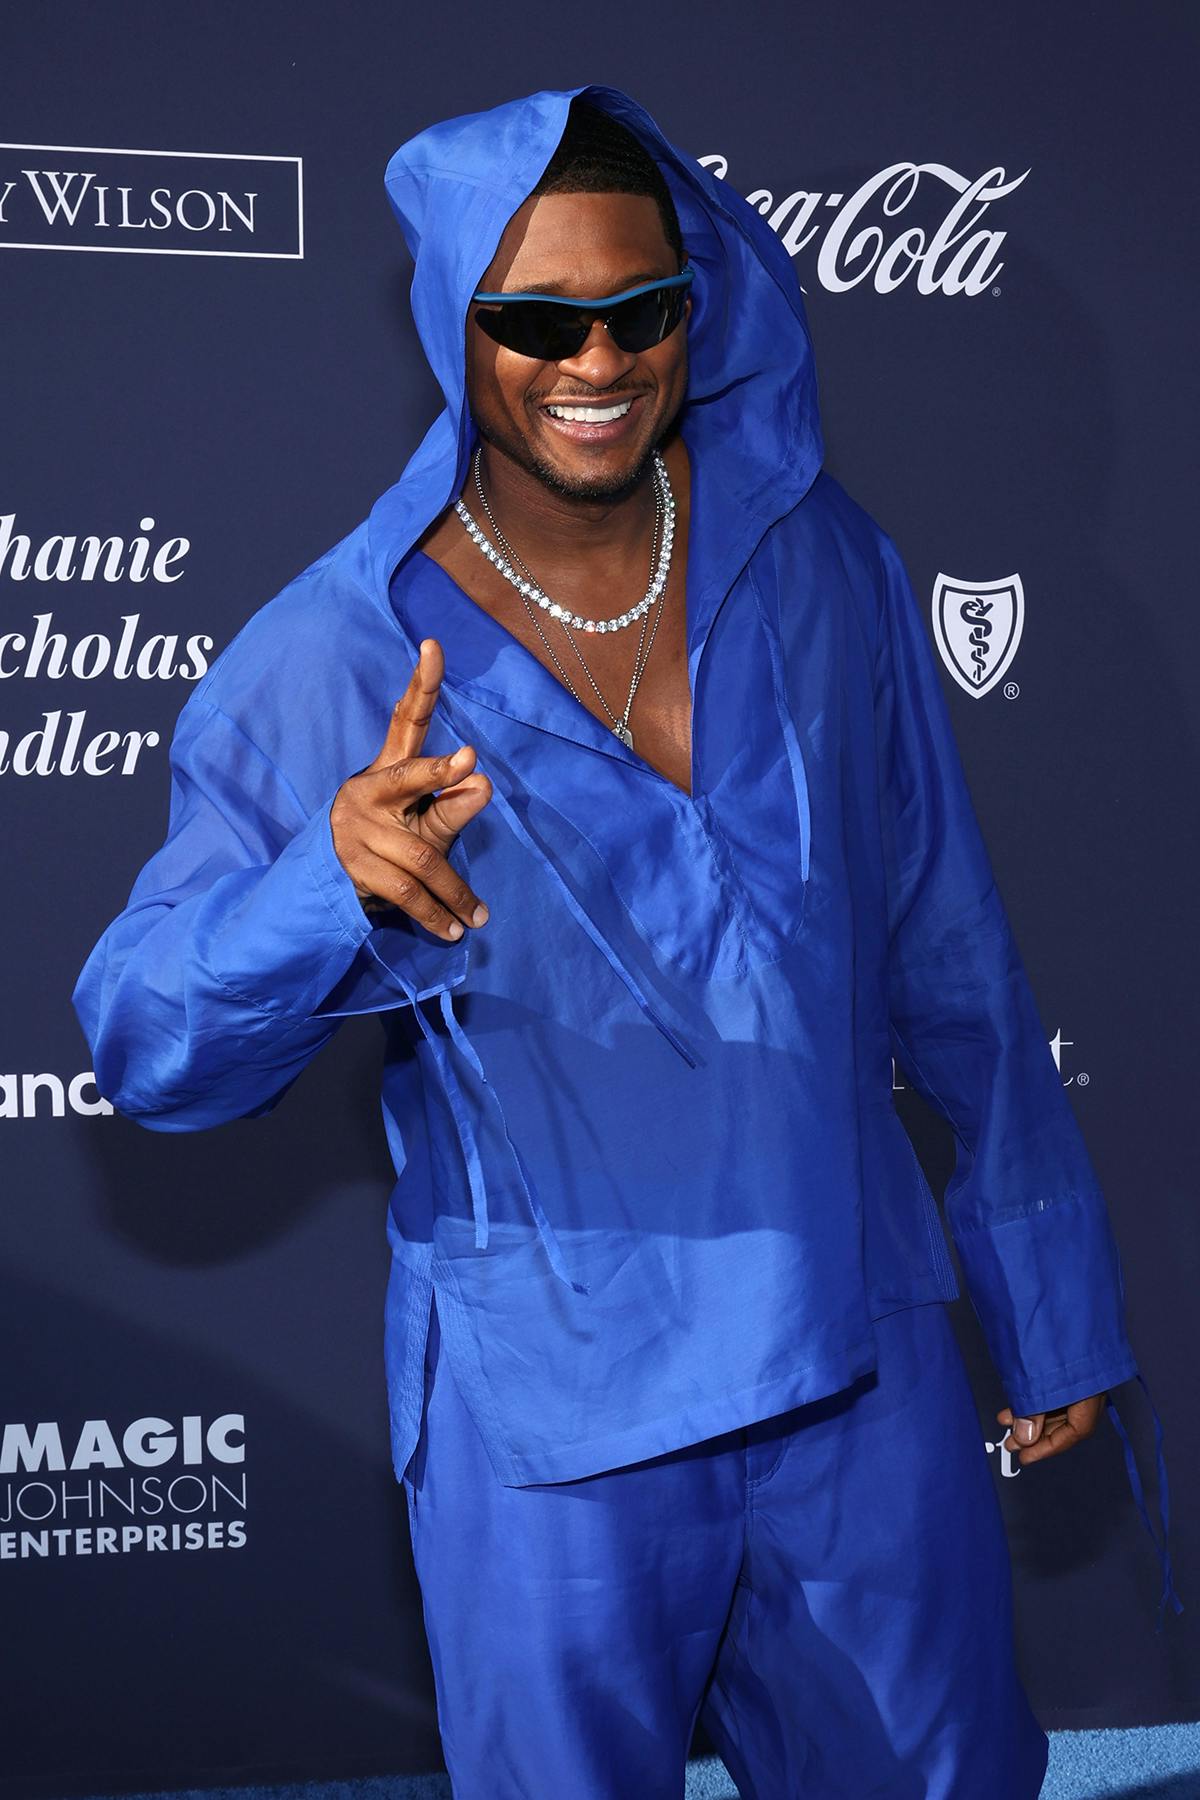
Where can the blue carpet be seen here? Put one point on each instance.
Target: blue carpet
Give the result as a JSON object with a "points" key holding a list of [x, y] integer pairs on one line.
{"points": [[1161, 1762]]}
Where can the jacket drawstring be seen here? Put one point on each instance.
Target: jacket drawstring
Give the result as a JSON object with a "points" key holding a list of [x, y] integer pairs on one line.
{"points": [[1164, 1507], [454, 1094], [795, 756]]}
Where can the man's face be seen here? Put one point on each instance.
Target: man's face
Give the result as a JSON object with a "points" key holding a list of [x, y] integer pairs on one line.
{"points": [[589, 246]]}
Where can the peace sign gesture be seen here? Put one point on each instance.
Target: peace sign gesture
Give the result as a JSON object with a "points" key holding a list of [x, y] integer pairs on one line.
{"points": [[394, 821]]}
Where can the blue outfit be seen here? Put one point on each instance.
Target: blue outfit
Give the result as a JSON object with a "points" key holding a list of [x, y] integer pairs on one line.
{"points": [[642, 1122], [833, 1647]]}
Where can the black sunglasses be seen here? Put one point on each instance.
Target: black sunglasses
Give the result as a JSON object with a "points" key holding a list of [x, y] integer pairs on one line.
{"points": [[552, 328]]}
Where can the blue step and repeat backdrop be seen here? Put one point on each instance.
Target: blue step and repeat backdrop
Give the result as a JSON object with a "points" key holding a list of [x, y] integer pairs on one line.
{"points": [[208, 373]]}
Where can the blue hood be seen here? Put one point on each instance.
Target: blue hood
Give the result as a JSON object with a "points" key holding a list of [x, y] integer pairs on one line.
{"points": [[752, 386]]}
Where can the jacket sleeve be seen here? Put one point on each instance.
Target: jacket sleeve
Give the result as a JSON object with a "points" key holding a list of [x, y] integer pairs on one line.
{"points": [[1024, 1206], [242, 945]]}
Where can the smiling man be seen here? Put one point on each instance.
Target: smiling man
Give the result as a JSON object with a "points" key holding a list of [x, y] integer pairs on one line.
{"points": [[570, 412], [670, 826]]}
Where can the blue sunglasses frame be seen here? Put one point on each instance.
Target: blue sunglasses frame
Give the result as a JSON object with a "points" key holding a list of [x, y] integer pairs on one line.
{"points": [[585, 312], [683, 279]]}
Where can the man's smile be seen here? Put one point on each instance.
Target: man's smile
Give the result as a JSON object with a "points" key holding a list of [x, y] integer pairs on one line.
{"points": [[594, 421]]}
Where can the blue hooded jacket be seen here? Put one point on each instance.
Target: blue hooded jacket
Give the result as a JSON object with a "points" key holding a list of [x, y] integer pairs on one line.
{"points": [[643, 1130]]}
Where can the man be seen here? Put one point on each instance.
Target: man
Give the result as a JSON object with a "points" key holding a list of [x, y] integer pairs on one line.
{"points": [[671, 804]]}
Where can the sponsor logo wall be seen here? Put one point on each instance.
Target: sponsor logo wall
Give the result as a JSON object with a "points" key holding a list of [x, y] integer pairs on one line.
{"points": [[191, 1353], [858, 241], [977, 627], [150, 202], [75, 572], [91, 1495]]}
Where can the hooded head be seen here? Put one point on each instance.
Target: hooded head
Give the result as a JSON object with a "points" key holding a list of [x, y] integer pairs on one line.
{"points": [[600, 222], [748, 414]]}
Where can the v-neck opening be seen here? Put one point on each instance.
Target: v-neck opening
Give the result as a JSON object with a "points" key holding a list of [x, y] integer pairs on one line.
{"points": [[602, 829], [599, 736]]}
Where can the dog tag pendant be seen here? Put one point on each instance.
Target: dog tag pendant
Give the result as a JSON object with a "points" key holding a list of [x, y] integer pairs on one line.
{"points": [[622, 731]]}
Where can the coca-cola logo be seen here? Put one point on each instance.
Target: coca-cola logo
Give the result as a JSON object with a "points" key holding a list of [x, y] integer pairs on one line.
{"points": [[857, 238]]}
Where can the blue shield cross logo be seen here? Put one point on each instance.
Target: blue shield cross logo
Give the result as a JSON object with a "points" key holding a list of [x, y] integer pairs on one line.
{"points": [[978, 625]]}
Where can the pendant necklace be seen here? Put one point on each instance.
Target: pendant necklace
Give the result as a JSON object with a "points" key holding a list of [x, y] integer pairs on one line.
{"points": [[520, 576]]}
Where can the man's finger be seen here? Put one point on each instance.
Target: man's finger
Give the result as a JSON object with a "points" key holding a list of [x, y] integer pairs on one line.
{"points": [[401, 889], [1055, 1431], [1024, 1430], [413, 776], [414, 709], [1027, 1428], [416, 857], [1058, 1434], [456, 805]]}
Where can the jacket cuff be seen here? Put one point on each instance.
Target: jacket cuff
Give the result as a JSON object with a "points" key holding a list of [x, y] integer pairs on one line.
{"points": [[1060, 1387], [396, 961], [299, 944], [1048, 1290]]}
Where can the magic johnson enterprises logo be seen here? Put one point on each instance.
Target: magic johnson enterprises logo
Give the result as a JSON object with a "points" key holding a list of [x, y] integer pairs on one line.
{"points": [[41, 641], [99, 1489], [151, 202], [909, 222], [978, 625]]}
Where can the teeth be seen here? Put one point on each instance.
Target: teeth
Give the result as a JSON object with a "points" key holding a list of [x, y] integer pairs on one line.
{"points": [[591, 415]]}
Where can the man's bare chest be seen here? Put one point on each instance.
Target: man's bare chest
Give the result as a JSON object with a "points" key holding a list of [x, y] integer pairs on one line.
{"points": [[600, 668]]}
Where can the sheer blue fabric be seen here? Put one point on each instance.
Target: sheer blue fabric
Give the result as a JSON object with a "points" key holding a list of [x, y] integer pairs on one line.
{"points": [[646, 1149]]}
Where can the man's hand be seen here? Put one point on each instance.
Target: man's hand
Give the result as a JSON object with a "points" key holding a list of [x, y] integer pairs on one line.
{"points": [[1038, 1435], [391, 834]]}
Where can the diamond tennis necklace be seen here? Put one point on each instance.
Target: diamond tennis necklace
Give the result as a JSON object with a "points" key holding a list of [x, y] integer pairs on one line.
{"points": [[530, 589], [527, 586]]}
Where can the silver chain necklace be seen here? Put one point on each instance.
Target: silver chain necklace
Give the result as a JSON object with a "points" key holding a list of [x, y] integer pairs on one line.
{"points": [[528, 588]]}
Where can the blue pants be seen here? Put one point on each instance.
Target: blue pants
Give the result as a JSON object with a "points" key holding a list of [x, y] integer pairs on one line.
{"points": [[829, 1590]]}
